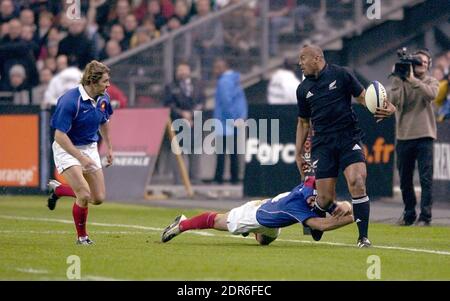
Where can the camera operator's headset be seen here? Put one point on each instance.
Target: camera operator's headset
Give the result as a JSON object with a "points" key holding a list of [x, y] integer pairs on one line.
{"points": [[427, 53]]}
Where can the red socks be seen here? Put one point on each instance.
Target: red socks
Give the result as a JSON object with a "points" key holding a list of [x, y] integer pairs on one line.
{"points": [[80, 217], [64, 190], [202, 221]]}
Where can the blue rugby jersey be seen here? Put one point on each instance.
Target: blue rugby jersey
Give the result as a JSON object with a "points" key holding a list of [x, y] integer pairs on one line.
{"points": [[79, 117], [286, 209]]}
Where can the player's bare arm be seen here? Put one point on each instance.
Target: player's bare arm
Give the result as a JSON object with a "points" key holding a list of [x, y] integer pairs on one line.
{"points": [[64, 141], [361, 99], [329, 223], [104, 131], [380, 113], [303, 126]]}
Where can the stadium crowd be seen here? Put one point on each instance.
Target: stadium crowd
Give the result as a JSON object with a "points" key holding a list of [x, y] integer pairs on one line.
{"points": [[42, 51], [39, 41]]}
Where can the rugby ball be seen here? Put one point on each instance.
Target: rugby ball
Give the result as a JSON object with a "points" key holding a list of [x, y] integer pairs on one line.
{"points": [[375, 96]]}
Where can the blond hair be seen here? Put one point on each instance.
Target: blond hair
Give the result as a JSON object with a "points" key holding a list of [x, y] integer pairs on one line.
{"points": [[93, 73]]}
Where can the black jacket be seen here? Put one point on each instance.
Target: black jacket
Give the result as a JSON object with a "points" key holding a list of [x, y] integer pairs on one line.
{"points": [[177, 100]]}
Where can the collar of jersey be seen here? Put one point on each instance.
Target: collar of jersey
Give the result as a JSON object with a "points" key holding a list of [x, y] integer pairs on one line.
{"points": [[84, 94]]}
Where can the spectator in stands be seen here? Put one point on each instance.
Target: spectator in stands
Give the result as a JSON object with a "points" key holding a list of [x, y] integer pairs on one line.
{"points": [[239, 32], [52, 39], [442, 101], [130, 26], [174, 23], [17, 79], [50, 63], [15, 51], [45, 23], [283, 84], [53, 49], [230, 103], [27, 18], [7, 11], [111, 49], [45, 75], [140, 37], [150, 27], [186, 97], [278, 15], [27, 35], [167, 8], [182, 11], [121, 11], [61, 83], [154, 11], [62, 62], [416, 130], [78, 48], [97, 15], [14, 31], [207, 39], [118, 34], [4, 30]]}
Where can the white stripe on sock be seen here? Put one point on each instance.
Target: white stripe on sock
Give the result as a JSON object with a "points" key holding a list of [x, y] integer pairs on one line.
{"points": [[360, 200]]}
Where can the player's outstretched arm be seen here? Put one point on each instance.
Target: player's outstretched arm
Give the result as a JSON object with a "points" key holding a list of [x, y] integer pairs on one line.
{"points": [[329, 223]]}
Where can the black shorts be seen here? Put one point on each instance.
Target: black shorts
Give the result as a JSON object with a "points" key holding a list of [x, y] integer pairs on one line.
{"points": [[336, 151]]}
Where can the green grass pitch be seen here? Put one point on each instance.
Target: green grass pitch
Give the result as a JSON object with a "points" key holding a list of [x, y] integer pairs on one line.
{"points": [[35, 244]]}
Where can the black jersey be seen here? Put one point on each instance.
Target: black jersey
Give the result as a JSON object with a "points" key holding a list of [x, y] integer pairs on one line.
{"points": [[326, 100]]}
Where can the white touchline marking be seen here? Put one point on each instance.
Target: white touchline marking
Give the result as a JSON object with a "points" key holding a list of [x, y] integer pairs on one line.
{"points": [[31, 271], [100, 278], [66, 232], [63, 221]]}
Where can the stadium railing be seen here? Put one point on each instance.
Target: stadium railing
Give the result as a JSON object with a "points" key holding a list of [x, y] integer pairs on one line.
{"points": [[143, 71]]}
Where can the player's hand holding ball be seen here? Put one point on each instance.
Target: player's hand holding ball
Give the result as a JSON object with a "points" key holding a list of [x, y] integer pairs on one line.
{"points": [[377, 102], [342, 209]]}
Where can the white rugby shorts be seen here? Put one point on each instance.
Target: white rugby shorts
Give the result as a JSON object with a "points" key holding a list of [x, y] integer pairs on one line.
{"points": [[243, 220], [64, 160]]}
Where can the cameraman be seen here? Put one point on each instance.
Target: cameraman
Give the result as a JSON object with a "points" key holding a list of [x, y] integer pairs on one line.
{"points": [[413, 95]]}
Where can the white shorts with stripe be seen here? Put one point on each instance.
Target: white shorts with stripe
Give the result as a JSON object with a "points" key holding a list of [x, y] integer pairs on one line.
{"points": [[64, 160], [243, 220]]}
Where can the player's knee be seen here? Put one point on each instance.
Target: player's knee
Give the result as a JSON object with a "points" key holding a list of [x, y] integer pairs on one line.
{"points": [[84, 196], [98, 200], [357, 183]]}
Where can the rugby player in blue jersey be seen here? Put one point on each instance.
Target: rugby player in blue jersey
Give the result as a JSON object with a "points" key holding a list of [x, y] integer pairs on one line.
{"points": [[264, 218], [80, 113]]}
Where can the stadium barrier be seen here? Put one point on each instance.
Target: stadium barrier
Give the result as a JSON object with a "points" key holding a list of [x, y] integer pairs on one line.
{"points": [[22, 158], [441, 171], [137, 136], [26, 161]]}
